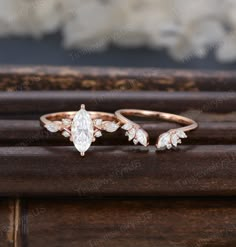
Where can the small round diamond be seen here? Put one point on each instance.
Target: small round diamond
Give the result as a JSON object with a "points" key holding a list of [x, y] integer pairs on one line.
{"points": [[141, 137], [98, 123], [66, 122], [98, 134]]}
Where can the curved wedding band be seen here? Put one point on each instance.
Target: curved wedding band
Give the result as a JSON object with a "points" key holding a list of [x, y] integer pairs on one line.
{"points": [[169, 139], [82, 127]]}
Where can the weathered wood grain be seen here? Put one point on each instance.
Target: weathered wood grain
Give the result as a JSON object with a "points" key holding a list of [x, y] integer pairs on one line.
{"points": [[30, 133], [128, 223], [44, 102], [91, 78], [7, 223], [32, 164], [124, 171]]}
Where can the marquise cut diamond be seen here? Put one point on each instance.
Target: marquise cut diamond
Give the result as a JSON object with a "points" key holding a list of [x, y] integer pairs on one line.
{"points": [[66, 122], [181, 134], [110, 126], [141, 137], [131, 133], [164, 141], [52, 127], [82, 130], [127, 126], [174, 139]]}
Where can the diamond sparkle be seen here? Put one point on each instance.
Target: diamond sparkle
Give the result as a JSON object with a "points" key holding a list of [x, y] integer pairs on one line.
{"points": [[82, 130]]}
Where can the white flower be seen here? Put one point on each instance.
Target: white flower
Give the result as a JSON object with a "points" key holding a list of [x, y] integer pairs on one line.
{"points": [[184, 28]]}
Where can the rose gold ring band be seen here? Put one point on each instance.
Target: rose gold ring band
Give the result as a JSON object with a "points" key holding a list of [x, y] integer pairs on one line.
{"points": [[167, 140], [81, 127]]}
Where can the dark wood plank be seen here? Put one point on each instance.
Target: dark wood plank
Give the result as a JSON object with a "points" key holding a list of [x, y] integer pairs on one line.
{"points": [[30, 133], [45, 102], [128, 223], [71, 78], [7, 223], [118, 171]]}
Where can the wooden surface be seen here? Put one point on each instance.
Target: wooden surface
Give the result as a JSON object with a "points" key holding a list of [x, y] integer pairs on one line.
{"points": [[128, 223], [117, 195], [82, 78], [8, 227], [124, 171], [41, 102]]}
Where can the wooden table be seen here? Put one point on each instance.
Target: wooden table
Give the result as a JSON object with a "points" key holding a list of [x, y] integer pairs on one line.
{"points": [[118, 195]]}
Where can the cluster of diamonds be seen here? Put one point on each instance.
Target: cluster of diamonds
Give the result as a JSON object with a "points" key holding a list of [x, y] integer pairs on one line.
{"points": [[100, 125], [136, 134], [82, 130], [65, 126], [170, 139]]}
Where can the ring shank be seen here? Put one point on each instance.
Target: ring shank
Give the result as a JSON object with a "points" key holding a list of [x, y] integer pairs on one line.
{"points": [[122, 113]]}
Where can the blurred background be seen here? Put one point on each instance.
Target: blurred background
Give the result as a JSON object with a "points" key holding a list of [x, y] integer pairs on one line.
{"points": [[126, 33]]}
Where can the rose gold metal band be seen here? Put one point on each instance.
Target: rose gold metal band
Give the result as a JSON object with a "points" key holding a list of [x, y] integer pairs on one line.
{"points": [[166, 140]]}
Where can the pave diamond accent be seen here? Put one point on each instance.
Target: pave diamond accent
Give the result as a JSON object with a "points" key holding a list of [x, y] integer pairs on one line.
{"points": [[82, 130]]}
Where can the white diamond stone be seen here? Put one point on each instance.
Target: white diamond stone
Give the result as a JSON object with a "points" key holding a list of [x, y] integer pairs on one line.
{"points": [[174, 139], [135, 141], [169, 146], [66, 134], [98, 134], [110, 126], [141, 137], [82, 130], [127, 126], [181, 134], [52, 127], [164, 141], [66, 122], [98, 123], [131, 134]]}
